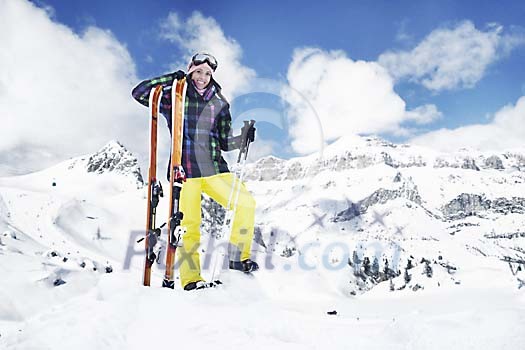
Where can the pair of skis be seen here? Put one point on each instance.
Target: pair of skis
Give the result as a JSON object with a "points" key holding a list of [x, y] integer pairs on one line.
{"points": [[155, 191]]}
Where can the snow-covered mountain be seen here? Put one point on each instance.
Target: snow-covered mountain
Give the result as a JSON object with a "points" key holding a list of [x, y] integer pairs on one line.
{"points": [[405, 243], [398, 203], [112, 169]]}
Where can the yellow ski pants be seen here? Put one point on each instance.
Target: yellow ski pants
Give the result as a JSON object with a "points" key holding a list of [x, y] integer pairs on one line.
{"points": [[218, 187]]}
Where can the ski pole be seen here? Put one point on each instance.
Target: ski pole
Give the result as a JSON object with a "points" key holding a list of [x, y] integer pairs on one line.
{"points": [[245, 144], [236, 188]]}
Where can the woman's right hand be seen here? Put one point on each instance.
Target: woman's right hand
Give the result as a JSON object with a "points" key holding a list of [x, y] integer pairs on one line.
{"points": [[178, 75]]}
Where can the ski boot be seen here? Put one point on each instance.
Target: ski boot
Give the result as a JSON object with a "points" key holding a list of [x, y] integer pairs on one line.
{"points": [[245, 266]]}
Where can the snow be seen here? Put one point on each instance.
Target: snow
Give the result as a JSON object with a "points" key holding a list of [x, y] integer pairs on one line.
{"points": [[115, 312], [57, 241]]}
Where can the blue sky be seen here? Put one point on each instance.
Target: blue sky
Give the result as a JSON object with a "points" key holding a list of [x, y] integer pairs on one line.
{"points": [[269, 31], [443, 74]]}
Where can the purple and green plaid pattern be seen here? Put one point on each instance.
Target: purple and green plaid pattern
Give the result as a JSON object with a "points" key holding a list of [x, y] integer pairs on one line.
{"points": [[207, 125], [141, 92]]}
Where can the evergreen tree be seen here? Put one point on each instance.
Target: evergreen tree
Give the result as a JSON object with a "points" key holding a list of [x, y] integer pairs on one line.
{"points": [[409, 264], [355, 258], [407, 276], [357, 263], [386, 270], [428, 269], [366, 266], [375, 268]]}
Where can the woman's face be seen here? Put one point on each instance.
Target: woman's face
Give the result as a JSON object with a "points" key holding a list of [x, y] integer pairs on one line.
{"points": [[201, 76]]}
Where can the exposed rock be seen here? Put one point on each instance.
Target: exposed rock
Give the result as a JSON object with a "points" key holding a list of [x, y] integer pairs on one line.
{"points": [[356, 155], [494, 162], [441, 163], [469, 163], [377, 141], [517, 160], [398, 177], [388, 160], [115, 158], [467, 204], [408, 191], [212, 216], [265, 169], [462, 163]]}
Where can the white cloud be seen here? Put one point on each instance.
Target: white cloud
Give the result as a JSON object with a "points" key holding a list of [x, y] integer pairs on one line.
{"points": [[423, 114], [336, 96], [402, 34], [61, 93], [506, 130], [450, 58], [204, 34]]}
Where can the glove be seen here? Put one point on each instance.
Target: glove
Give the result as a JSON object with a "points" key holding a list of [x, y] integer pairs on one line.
{"points": [[178, 75], [250, 134]]}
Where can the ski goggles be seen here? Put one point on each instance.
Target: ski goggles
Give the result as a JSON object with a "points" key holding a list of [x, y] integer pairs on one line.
{"points": [[201, 58]]}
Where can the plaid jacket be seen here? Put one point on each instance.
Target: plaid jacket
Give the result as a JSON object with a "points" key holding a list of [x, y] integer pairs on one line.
{"points": [[207, 125]]}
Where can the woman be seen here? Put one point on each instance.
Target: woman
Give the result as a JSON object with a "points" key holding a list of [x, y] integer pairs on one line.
{"points": [[207, 132]]}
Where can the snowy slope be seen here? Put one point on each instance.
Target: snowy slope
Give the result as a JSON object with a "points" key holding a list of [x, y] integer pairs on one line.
{"points": [[71, 266], [400, 203]]}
